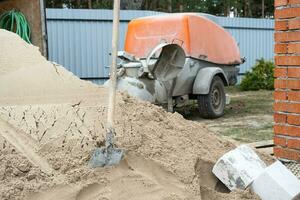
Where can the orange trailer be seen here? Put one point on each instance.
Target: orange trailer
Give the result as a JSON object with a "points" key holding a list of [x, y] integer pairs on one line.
{"points": [[171, 58], [201, 38]]}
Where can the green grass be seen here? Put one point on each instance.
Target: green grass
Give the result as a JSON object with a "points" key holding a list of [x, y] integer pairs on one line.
{"points": [[249, 103], [249, 134], [248, 117]]}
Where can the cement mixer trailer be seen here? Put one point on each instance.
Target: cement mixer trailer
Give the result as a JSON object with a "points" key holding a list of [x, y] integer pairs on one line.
{"points": [[170, 59]]}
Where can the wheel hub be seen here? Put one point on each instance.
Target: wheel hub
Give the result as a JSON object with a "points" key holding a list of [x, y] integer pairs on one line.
{"points": [[216, 98]]}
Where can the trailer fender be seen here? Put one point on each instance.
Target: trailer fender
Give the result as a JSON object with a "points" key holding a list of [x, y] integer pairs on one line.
{"points": [[204, 78]]}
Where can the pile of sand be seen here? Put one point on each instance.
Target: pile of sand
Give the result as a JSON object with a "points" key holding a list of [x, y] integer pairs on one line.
{"points": [[27, 77], [50, 121]]}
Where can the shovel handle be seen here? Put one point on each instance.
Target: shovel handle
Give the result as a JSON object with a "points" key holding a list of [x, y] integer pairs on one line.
{"points": [[113, 68]]}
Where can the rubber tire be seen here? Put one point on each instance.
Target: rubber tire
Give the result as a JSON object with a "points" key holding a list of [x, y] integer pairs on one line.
{"points": [[205, 105]]}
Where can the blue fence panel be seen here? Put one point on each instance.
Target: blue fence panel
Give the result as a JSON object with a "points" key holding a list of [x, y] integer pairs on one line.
{"points": [[254, 37], [80, 39]]}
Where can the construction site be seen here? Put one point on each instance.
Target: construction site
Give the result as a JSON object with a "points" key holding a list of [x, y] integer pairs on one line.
{"points": [[65, 138]]}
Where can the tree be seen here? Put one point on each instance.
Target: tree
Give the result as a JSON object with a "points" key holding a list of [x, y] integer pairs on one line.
{"points": [[240, 8]]}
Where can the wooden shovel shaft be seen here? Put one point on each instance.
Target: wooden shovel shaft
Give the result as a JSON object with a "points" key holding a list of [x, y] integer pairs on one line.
{"points": [[113, 68]]}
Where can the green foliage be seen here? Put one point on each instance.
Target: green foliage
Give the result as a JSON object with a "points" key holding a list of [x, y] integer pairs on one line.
{"points": [[106, 4], [260, 77], [240, 8]]}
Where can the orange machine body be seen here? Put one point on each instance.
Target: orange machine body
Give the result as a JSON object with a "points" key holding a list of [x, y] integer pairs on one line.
{"points": [[200, 37]]}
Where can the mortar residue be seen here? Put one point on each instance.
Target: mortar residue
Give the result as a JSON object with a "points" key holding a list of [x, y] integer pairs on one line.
{"points": [[59, 119]]}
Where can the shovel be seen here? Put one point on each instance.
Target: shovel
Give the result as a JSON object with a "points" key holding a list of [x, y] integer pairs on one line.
{"points": [[109, 155]]}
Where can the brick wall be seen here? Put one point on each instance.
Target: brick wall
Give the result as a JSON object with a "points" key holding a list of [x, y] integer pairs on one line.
{"points": [[287, 82]]}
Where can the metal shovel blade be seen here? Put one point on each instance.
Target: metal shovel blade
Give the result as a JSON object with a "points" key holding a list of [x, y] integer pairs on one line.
{"points": [[106, 157]]}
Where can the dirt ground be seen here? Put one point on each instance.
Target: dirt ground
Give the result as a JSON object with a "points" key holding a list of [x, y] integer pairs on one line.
{"points": [[248, 118]]}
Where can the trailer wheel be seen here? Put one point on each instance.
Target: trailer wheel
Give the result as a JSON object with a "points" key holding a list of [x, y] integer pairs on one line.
{"points": [[212, 105]]}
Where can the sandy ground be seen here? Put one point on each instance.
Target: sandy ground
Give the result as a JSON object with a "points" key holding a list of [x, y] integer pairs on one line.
{"points": [[50, 122], [248, 118]]}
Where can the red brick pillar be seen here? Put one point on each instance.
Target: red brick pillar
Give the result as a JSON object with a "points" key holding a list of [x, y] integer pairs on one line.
{"points": [[287, 82]]}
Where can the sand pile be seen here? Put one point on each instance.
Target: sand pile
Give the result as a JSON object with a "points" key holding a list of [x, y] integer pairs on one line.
{"points": [[50, 121], [28, 77]]}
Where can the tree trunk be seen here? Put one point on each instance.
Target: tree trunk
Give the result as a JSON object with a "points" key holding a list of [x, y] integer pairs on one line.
{"points": [[78, 3], [180, 8], [245, 9], [169, 6], [226, 8], [249, 8], [145, 5], [263, 8], [90, 4], [123, 5]]}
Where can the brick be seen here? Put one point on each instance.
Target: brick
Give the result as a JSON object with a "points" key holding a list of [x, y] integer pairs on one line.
{"points": [[287, 13], [287, 60], [293, 107], [281, 25], [291, 24], [280, 83], [281, 141], [281, 48], [287, 107], [280, 129], [293, 2], [280, 72], [280, 118], [280, 3], [293, 119], [293, 131], [293, 143], [280, 106], [287, 36], [293, 84], [293, 48], [280, 95], [293, 72], [287, 153], [293, 95]]}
